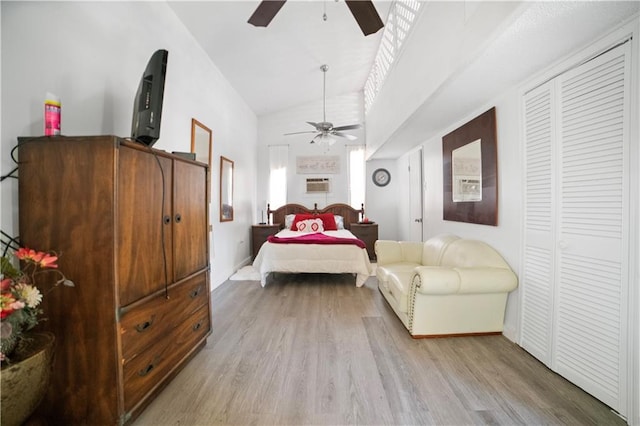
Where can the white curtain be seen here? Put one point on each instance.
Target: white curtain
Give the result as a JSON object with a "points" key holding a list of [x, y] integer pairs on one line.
{"points": [[278, 162], [356, 169]]}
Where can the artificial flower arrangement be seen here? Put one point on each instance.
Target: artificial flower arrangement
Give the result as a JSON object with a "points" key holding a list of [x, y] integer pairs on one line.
{"points": [[20, 297]]}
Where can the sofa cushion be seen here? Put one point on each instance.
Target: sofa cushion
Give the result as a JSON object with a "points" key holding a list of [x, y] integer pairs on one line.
{"points": [[434, 247], [470, 254]]}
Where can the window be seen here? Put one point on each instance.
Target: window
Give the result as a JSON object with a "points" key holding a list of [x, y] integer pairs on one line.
{"points": [[401, 16], [278, 161], [356, 170]]}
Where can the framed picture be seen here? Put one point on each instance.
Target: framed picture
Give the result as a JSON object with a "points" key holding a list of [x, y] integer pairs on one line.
{"points": [[319, 164], [470, 172]]}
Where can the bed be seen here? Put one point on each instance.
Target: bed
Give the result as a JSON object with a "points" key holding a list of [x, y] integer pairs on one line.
{"points": [[309, 251]]}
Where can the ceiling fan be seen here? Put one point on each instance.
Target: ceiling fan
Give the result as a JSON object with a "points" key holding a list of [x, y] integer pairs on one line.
{"points": [[325, 130], [363, 11]]}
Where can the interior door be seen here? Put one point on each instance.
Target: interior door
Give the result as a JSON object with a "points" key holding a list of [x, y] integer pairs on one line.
{"points": [[592, 275], [415, 196], [539, 222], [575, 279]]}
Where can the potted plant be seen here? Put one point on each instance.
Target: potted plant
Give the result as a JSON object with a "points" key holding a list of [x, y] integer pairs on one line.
{"points": [[25, 355]]}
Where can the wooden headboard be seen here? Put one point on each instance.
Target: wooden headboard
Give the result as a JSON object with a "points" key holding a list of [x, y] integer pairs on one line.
{"points": [[349, 214]]}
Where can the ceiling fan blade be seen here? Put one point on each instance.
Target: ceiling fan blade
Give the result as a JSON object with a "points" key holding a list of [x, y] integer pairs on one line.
{"points": [[366, 15], [349, 127], [316, 138], [299, 133], [344, 135], [316, 125], [265, 12]]}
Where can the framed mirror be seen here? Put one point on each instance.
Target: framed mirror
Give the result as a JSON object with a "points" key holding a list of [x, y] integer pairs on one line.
{"points": [[201, 142], [226, 189], [470, 172]]}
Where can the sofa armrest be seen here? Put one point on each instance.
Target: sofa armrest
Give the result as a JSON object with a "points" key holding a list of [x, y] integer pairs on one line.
{"points": [[486, 280], [444, 280], [436, 280], [388, 252]]}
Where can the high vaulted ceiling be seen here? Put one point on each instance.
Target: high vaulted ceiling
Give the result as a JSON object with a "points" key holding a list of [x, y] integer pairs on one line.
{"points": [[278, 67]]}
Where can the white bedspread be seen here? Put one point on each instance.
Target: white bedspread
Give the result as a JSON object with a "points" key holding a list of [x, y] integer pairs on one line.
{"points": [[326, 258]]}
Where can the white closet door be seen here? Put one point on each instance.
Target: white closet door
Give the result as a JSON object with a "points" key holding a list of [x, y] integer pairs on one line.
{"points": [[575, 278], [590, 316], [539, 223]]}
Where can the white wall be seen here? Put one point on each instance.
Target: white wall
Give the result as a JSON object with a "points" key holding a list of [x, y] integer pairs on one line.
{"points": [[92, 55], [382, 206]]}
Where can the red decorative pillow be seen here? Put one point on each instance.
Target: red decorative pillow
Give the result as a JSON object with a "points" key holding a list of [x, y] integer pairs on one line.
{"points": [[298, 218], [329, 221]]}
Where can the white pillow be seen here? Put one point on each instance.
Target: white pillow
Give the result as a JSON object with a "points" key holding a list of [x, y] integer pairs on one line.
{"points": [[339, 221], [288, 221], [310, 226]]}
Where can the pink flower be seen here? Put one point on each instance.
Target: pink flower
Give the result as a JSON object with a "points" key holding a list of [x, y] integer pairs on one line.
{"points": [[45, 260], [5, 285], [7, 305]]}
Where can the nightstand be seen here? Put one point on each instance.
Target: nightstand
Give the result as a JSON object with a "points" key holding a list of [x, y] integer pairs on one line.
{"points": [[367, 232], [260, 233]]}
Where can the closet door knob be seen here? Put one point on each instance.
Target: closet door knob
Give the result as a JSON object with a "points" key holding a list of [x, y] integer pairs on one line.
{"points": [[178, 218]]}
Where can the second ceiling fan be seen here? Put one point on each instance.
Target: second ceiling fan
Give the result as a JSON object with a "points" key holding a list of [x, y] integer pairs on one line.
{"points": [[363, 11], [325, 130]]}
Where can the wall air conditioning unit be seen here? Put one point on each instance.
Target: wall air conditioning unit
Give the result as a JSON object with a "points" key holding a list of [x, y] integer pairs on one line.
{"points": [[317, 185]]}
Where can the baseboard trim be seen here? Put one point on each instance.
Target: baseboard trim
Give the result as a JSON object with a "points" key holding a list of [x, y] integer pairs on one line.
{"points": [[437, 336]]}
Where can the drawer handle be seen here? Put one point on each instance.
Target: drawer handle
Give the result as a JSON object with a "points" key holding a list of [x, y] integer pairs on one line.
{"points": [[146, 370], [144, 326], [195, 293], [196, 326]]}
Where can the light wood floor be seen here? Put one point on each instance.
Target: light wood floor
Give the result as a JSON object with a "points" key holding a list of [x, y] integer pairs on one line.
{"points": [[314, 349]]}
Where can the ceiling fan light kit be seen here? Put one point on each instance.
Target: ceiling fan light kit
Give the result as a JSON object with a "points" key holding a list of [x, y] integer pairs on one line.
{"points": [[325, 131]]}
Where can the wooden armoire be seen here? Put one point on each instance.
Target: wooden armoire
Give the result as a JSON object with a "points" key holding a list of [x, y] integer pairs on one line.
{"points": [[130, 224]]}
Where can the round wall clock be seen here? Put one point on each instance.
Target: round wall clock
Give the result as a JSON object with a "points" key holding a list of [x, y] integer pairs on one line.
{"points": [[381, 177]]}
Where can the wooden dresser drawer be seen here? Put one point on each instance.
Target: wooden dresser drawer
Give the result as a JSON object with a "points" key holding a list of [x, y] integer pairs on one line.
{"points": [[147, 369], [142, 325]]}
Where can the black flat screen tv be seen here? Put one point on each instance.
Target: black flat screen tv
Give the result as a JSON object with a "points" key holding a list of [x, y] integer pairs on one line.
{"points": [[147, 105]]}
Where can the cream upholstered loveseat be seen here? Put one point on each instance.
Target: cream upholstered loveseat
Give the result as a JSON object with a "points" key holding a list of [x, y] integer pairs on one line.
{"points": [[445, 286]]}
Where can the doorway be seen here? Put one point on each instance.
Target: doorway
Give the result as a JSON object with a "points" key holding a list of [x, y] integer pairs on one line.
{"points": [[415, 196]]}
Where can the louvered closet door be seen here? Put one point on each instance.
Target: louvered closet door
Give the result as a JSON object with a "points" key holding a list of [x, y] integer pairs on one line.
{"points": [[590, 335], [539, 223], [576, 219]]}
